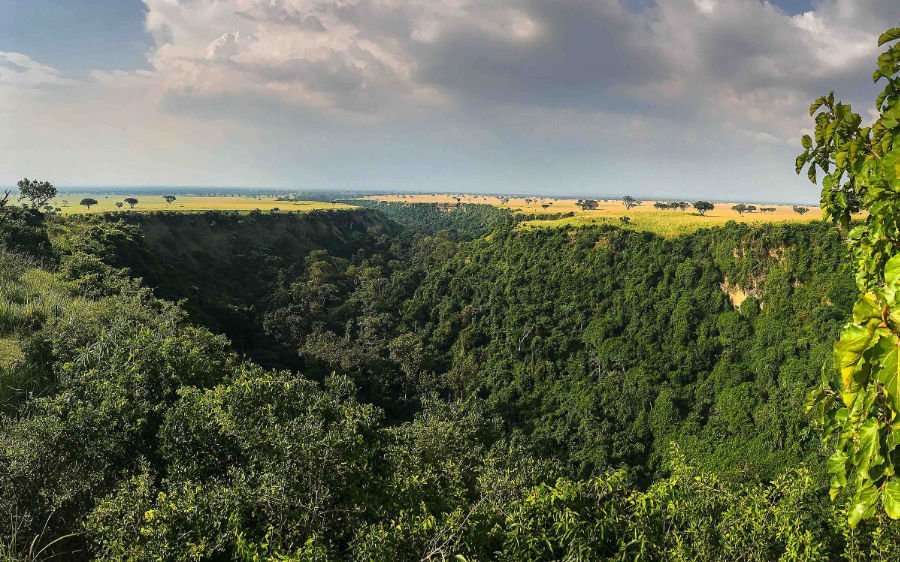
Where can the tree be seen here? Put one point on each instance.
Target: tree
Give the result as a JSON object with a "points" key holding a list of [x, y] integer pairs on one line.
{"points": [[767, 209], [660, 206], [739, 209], [630, 202], [39, 193], [169, 198], [800, 210], [88, 202], [4, 201], [683, 205], [588, 204], [119, 204], [703, 206], [131, 201], [858, 406], [751, 208]]}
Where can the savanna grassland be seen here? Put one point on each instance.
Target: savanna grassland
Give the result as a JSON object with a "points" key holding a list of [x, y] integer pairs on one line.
{"points": [[567, 212], [69, 203]]}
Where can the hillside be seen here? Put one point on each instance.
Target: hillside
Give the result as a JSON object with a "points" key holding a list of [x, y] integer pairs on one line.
{"points": [[594, 393]]}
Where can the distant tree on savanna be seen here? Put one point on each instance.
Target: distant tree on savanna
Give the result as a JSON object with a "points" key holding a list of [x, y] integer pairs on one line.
{"points": [[630, 202], [546, 205], [683, 205], [703, 207], [88, 202], [588, 204], [800, 210], [131, 201], [739, 209], [661, 206], [119, 204], [767, 209], [169, 198], [751, 208], [38, 193]]}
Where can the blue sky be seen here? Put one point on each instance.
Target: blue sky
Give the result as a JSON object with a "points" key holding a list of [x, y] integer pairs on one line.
{"points": [[653, 97], [77, 35]]}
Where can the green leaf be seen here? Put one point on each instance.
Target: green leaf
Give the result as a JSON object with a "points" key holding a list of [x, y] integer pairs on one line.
{"points": [[892, 273], [855, 338], [840, 159], [891, 499], [806, 141], [866, 308], [801, 161], [837, 467], [889, 375], [890, 35], [869, 445], [816, 105], [863, 504]]}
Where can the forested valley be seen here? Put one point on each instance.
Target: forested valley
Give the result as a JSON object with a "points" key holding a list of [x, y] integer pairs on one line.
{"points": [[410, 383]]}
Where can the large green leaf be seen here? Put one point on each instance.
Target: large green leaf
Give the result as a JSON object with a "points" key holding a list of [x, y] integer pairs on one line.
{"points": [[863, 506], [855, 339], [889, 375], [890, 498], [837, 467], [816, 105], [869, 447], [866, 308], [891, 34]]}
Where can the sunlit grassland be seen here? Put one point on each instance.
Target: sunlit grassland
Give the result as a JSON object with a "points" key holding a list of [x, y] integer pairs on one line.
{"points": [[642, 217], [665, 223], [68, 203]]}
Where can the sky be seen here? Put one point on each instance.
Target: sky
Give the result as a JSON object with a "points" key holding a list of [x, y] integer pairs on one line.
{"points": [[657, 98]]}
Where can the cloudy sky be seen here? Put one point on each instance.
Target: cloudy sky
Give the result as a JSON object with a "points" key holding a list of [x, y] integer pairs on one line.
{"points": [[652, 97]]}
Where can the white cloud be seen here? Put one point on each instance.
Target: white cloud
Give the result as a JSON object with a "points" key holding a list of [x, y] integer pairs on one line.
{"points": [[702, 61], [21, 71]]}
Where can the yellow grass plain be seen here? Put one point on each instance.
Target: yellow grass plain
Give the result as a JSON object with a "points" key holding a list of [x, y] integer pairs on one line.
{"points": [[69, 203], [643, 216]]}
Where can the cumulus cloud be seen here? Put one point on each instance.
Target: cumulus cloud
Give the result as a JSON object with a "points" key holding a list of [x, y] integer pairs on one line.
{"points": [[743, 62]]}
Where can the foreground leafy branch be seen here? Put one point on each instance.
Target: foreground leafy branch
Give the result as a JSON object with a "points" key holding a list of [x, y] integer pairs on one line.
{"points": [[860, 410]]}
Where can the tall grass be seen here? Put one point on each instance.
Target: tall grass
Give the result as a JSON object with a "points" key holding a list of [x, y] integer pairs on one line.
{"points": [[29, 299]]}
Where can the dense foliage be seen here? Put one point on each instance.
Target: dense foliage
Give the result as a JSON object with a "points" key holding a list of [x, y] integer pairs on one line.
{"points": [[459, 221], [511, 397], [860, 411]]}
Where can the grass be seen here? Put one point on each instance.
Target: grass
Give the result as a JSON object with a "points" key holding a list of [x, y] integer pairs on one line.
{"points": [[664, 223], [28, 296], [69, 203], [10, 353], [643, 217]]}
